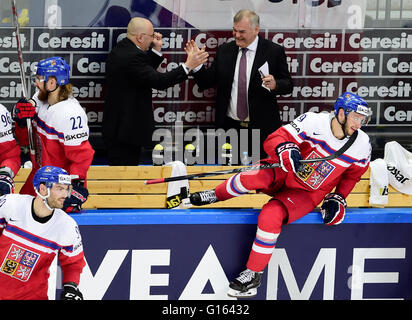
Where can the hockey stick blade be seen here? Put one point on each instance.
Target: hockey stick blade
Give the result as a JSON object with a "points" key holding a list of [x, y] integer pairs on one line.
{"points": [[335, 155]]}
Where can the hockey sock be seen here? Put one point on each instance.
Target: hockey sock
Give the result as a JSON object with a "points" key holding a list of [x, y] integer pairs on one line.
{"points": [[270, 221], [262, 250], [244, 182], [232, 187]]}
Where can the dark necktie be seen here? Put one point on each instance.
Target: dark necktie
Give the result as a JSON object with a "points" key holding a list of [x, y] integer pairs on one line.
{"points": [[242, 109]]}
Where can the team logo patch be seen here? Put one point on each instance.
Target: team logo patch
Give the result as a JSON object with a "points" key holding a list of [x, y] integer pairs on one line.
{"points": [[19, 263], [313, 174]]}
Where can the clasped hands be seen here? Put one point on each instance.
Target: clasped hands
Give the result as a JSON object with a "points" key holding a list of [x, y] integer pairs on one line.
{"points": [[195, 56]]}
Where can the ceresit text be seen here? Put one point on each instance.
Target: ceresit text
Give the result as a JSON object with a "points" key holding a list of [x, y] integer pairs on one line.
{"points": [[358, 41], [401, 90], [10, 41], [46, 40], [327, 41], [161, 115], [14, 67], [367, 65]]}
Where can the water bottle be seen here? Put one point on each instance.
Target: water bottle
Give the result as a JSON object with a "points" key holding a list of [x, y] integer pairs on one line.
{"points": [[158, 155], [190, 154], [227, 154], [245, 159]]}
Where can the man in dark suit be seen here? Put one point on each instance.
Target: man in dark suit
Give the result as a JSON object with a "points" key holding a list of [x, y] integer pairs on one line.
{"points": [[131, 74], [260, 99]]}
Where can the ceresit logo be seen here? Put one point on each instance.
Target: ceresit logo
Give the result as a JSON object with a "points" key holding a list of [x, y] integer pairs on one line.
{"points": [[66, 40], [326, 40]]}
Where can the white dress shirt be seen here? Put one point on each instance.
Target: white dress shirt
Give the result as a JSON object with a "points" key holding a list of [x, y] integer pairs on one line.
{"points": [[250, 57]]}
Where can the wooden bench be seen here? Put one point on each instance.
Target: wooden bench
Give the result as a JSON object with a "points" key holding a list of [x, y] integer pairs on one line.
{"points": [[123, 187]]}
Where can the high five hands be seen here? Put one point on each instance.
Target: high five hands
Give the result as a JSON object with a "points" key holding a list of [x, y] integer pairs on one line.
{"points": [[195, 56]]}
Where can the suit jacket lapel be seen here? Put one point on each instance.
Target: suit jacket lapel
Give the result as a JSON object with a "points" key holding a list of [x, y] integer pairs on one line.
{"points": [[232, 57], [259, 59]]}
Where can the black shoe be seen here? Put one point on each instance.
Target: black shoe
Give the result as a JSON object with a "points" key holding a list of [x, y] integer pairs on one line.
{"points": [[203, 197], [245, 285]]}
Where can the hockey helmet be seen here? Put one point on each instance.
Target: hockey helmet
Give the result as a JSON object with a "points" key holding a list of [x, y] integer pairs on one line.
{"points": [[50, 175], [349, 102], [54, 66]]}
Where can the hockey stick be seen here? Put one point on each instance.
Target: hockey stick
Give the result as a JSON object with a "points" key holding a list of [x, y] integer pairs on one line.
{"points": [[23, 80], [254, 167]]}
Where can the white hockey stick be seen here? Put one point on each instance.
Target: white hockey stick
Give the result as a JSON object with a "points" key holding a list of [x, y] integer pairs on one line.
{"points": [[23, 80]]}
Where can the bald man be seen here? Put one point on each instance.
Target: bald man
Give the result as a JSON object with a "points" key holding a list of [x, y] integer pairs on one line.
{"points": [[131, 74]]}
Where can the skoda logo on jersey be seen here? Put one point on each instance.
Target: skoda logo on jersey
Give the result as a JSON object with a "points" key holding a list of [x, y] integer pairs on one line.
{"points": [[69, 137]]}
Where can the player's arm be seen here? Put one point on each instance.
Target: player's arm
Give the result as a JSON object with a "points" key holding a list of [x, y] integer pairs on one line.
{"points": [[283, 145], [71, 259], [334, 205], [23, 110], [79, 153]]}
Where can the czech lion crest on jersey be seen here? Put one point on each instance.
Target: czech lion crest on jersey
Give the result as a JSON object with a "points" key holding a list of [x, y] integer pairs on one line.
{"points": [[19, 263], [313, 174]]}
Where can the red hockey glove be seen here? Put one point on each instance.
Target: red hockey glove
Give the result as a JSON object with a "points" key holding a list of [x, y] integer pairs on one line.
{"points": [[289, 156], [333, 209], [22, 111], [79, 195]]}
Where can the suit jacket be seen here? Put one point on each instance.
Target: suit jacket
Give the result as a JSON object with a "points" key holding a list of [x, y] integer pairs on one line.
{"points": [[263, 109], [130, 76]]}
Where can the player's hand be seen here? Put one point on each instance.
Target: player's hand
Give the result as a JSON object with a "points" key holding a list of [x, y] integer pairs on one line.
{"points": [[71, 292], [23, 110], [6, 184], [79, 195], [289, 156], [333, 209]]}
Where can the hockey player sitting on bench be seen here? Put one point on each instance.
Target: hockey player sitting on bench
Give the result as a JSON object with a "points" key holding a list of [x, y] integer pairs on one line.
{"points": [[296, 188]]}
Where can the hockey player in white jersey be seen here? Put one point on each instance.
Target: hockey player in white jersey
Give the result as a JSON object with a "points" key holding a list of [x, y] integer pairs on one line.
{"points": [[33, 230], [9, 153], [296, 189], [60, 128]]}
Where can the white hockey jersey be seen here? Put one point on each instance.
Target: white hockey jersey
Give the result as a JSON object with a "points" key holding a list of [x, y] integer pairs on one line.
{"points": [[28, 247], [62, 136]]}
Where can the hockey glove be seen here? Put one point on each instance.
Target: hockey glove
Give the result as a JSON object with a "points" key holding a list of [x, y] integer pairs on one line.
{"points": [[79, 195], [333, 209], [289, 156], [6, 184], [71, 292], [22, 111]]}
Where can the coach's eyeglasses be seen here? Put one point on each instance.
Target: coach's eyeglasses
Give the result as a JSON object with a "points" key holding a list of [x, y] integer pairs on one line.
{"points": [[150, 35]]}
